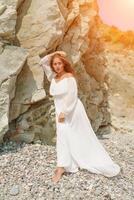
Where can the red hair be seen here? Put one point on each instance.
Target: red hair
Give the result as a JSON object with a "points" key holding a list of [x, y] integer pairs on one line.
{"points": [[67, 65]]}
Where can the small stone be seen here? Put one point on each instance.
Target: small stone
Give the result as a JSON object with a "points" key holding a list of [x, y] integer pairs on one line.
{"points": [[14, 190]]}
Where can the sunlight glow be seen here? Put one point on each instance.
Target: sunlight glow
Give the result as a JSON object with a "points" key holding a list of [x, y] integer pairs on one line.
{"points": [[119, 13]]}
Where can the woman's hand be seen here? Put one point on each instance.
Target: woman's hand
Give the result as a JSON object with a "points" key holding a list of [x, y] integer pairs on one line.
{"points": [[63, 53], [61, 117]]}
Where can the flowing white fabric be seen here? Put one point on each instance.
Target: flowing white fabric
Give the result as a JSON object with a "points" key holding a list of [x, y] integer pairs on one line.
{"points": [[77, 145]]}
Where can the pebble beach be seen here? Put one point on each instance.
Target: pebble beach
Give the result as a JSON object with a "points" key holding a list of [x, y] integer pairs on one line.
{"points": [[26, 171]]}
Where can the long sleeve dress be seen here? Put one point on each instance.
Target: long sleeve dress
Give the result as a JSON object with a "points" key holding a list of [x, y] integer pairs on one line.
{"points": [[77, 145]]}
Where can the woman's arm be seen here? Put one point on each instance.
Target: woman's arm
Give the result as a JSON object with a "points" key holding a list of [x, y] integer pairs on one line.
{"points": [[71, 97], [45, 64]]}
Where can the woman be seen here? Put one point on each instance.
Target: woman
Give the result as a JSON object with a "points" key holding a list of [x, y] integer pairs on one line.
{"points": [[77, 145]]}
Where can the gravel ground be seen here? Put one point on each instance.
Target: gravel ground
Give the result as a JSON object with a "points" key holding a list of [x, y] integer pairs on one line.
{"points": [[26, 171]]}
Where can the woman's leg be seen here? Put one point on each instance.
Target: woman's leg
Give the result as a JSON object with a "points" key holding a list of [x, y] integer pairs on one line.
{"points": [[65, 161], [62, 148]]}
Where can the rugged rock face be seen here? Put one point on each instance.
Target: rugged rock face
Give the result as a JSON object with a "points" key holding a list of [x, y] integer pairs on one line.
{"points": [[113, 64], [11, 61], [8, 17], [120, 71], [32, 28]]}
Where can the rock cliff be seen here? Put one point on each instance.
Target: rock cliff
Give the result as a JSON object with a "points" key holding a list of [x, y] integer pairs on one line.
{"points": [[29, 29]]}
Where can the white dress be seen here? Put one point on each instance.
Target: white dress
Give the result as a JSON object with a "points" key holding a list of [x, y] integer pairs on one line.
{"points": [[77, 145]]}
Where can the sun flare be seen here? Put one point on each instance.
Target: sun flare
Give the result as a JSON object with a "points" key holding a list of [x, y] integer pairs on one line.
{"points": [[119, 13]]}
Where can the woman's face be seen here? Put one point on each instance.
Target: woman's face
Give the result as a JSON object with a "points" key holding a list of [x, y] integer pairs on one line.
{"points": [[58, 65]]}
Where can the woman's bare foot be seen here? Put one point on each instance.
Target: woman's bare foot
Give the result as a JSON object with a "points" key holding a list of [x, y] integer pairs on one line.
{"points": [[58, 173]]}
